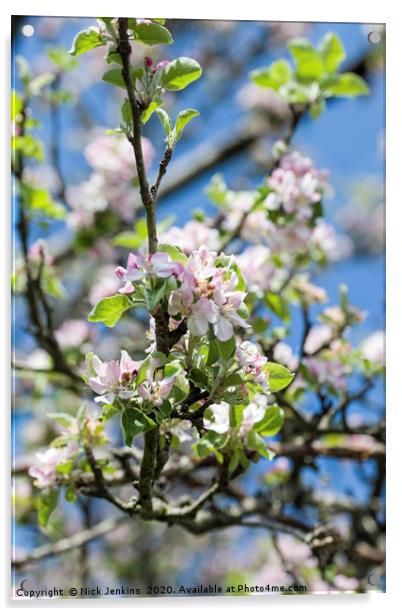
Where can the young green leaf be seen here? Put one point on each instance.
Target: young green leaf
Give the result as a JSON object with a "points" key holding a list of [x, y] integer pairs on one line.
{"points": [[332, 52], [110, 310], [272, 421], [182, 119], [174, 253], [150, 33], [147, 113], [164, 120], [347, 84], [309, 63], [85, 41], [179, 73], [256, 443], [279, 377], [46, 504], [275, 76]]}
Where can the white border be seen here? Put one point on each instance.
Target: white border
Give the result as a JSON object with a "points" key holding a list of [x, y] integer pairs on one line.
{"points": [[308, 10]]}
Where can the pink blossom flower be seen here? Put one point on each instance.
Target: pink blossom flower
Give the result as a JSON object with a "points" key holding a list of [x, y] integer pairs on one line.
{"points": [[158, 264], [205, 311], [229, 302], [252, 362], [113, 379], [201, 263], [156, 390]]}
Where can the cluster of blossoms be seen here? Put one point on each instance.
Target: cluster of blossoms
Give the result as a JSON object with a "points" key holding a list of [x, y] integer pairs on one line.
{"points": [[252, 414], [295, 185], [58, 460], [114, 380], [111, 183], [252, 364], [205, 293]]}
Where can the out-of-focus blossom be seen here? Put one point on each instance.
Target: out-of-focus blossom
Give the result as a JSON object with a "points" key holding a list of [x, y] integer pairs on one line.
{"points": [[191, 236], [111, 182], [296, 185], [72, 333], [328, 371], [257, 268], [344, 582], [105, 285], [252, 97], [283, 354], [112, 156], [318, 336], [45, 472], [309, 292], [373, 348]]}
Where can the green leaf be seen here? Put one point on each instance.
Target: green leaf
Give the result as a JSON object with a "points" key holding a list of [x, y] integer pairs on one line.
{"points": [[174, 253], [179, 73], [213, 352], [272, 421], [279, 377], [227, 348], [61, 58], [164, 411], [110, 310], [278, 305], [132, 239], [85, 41], [126, 112], [147, 113], [133, 423], [332, 52], [347, 84], [275, 76], [46, 503], [309, 64], [198, 377], [256, 443], [154, 297], [164, 120], [182, 119], [114, 76], [150, 33], [39, 200], [16, 104], [28, 146]]}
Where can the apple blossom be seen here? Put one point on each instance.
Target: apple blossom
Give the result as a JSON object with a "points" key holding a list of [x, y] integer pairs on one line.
{"points": [[113, 379]]}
